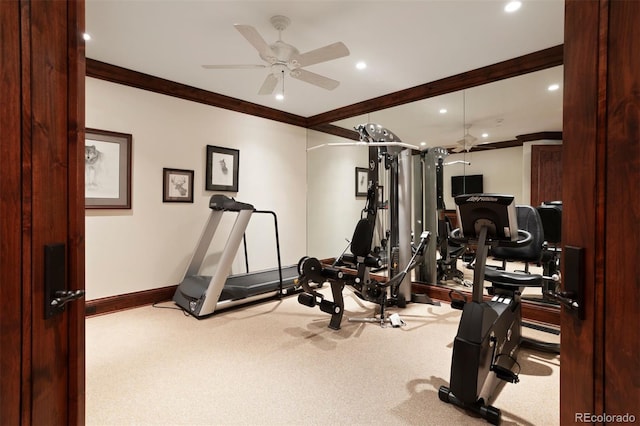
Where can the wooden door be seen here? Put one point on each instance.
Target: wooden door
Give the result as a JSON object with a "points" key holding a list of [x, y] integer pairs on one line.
{"points": [[546, 173], [600, 371], [621, 320], [42, 201]]}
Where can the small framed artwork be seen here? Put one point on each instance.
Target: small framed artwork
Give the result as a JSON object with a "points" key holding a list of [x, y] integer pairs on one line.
{"points": [[222, 169], [177, 186], [107, 170], [362, 181]]}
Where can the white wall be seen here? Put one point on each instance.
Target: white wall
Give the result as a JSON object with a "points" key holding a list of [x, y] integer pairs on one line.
{"points": [[501, 169], [333, 210], [150, 245]]}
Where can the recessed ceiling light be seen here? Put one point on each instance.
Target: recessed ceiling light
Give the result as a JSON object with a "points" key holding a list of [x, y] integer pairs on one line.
{"points": [[86, 36], [485, 135], [553, 87], [361, 65], [280, 97], [443, 110], [512, 6], [423, 143]]}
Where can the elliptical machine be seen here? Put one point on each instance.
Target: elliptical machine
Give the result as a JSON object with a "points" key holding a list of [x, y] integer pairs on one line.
{"points": [[489, 334]]}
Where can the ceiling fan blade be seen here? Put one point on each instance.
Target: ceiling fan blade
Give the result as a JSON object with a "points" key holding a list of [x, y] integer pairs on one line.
{"points": [[233, 67], [315, 79], [268, 85], [322, 54], [256, 40]]}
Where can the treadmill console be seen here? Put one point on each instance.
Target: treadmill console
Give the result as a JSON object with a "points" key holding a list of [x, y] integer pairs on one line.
{"points": [[222, 202]]}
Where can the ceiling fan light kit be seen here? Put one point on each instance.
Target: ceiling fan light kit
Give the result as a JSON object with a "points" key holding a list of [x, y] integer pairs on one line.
{"points": [[284, 58]]}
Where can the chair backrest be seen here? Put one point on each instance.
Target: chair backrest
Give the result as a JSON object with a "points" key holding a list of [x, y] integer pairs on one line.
{"points": [[551, 216], [528, 220]]}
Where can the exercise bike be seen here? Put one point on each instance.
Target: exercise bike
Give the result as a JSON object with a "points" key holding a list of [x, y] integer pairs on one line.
{"points": [[489, 334]]}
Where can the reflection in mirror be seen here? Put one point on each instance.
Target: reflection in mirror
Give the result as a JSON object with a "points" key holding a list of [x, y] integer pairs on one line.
{"points": [[493, 115], [503, 110]]}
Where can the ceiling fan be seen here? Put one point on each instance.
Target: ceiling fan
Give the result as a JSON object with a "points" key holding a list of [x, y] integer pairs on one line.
{"points": [[467, 142], [281, 58]]}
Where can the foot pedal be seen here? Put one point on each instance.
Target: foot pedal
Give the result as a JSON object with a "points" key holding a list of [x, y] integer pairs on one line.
{"points": [[457, 303], [505, 374], [329, 307], [307, 299]]}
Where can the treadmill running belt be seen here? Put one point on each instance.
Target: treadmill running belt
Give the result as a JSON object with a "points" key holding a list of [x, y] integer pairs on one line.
{"points": [[247, 285]]}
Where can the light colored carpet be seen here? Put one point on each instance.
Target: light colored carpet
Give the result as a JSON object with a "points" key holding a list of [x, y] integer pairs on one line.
{"points": [[277, 363]]}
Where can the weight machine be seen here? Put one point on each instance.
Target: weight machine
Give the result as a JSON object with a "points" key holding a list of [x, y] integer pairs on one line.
{"points": [[429, 207], [386, 148]]}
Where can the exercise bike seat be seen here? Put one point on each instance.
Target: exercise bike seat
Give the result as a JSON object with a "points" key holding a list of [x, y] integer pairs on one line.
{"points": [[512, 279]]}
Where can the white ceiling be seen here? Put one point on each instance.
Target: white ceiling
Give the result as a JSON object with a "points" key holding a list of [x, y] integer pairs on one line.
{"points": [[405, 44]]}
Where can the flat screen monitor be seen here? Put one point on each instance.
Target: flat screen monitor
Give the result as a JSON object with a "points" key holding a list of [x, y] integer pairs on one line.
{"points": [[495, 212], [471, 184]]}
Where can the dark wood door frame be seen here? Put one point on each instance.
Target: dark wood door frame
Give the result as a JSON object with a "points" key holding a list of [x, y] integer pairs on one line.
{"points": [[42, 199], [600, 368], [600, 371], [11, 213]]}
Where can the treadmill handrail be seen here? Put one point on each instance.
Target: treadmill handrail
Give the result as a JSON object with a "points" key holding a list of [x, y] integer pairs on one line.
{"points": [[275, 223]]}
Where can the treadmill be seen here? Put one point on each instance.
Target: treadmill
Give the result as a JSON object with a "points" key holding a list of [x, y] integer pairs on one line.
{"points": [[201, 295]]}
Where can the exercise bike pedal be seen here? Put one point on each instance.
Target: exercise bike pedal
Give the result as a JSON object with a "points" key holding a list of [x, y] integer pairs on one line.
{"points": [[505, 374], [457, 303]]}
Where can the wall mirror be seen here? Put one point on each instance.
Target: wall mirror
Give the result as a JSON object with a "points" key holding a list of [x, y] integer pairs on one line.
{"points": [[496, 114]]}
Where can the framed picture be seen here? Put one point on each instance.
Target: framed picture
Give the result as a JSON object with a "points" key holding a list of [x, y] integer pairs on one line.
{"points": [[222, 169], [107, 170], [177, 186], [362, 181]]}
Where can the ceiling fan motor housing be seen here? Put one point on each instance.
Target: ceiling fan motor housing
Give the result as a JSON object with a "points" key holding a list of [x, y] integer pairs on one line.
{"points": [[283, 54]]}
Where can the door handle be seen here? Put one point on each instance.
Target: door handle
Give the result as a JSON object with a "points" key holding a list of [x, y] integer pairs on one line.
{"points": [[56, 296], [572, 298], [65, 296]]}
